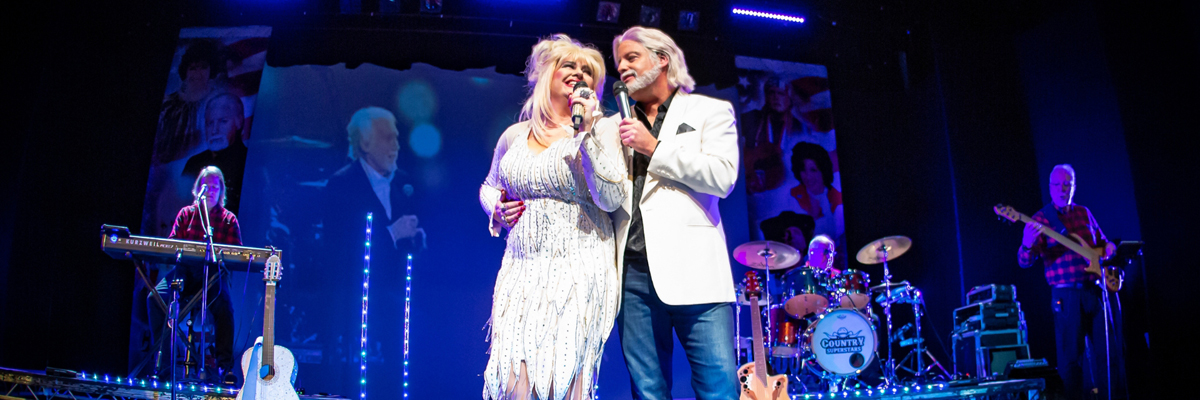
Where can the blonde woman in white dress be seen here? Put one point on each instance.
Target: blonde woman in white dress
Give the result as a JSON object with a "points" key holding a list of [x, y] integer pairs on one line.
{"points": [[552, 188]]}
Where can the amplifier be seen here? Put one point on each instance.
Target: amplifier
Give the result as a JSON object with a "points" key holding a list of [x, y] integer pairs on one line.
{"points": [[986, 355], [979, 323], [1007, 337], [991, 315], [992, 292]]}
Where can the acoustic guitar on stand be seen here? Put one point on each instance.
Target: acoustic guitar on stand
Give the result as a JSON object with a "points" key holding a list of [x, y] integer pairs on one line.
{"points": [[756, 385], [1112, 276], [270, 370]]}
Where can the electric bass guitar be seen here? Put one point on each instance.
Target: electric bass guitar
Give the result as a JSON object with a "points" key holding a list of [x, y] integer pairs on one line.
{"points": [[270, 370], [756, 385], [1112, 276]]}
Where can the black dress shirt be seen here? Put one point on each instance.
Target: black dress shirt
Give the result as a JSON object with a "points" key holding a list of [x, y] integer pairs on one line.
{"points": [[635, 246]]}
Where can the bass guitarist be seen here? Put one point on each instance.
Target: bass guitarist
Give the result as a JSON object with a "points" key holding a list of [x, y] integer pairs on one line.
{"points": [[1076, 299]]}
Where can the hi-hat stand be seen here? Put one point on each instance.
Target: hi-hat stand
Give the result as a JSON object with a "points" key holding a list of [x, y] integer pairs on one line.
{"points": [[919, 352]]}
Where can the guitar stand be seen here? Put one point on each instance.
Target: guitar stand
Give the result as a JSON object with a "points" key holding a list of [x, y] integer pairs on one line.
{"points": [[168, 326]]}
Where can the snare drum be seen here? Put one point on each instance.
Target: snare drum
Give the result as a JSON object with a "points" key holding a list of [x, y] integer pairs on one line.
{"points": [[806, 292], [841, 341], [853, 289]]}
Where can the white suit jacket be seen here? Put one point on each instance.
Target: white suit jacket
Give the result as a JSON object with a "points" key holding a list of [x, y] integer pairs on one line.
{"points": [[694, 166]]}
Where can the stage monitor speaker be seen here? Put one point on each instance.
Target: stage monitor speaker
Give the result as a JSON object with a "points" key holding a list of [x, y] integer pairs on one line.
{"points": [[982, 361]]}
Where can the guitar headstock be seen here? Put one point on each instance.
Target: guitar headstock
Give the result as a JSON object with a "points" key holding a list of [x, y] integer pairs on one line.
{"points": [[753, 287], [1007, 212], [272, 271]]}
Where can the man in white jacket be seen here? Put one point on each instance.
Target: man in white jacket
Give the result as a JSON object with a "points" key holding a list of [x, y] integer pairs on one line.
{"points": [[670, 238]]}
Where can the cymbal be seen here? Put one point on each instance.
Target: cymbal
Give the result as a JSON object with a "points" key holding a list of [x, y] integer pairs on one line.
{"points": [[895, 246], [784, 256]]}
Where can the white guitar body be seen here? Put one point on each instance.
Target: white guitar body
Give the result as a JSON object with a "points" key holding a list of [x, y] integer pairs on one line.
{"points": [[270, 370], [280, 386]]}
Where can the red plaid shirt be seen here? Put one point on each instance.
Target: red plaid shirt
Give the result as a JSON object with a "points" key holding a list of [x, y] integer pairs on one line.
{"points": [[189, 226], [1064, 266]]}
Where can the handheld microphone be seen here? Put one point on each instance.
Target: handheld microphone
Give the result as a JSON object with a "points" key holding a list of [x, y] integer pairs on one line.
{"points": [[577, 108], [622, 94]]}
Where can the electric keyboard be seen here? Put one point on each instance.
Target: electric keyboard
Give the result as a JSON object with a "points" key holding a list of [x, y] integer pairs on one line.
{"points": [[118, 243]]}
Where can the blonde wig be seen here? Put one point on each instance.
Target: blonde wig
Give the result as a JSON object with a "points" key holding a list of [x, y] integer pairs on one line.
{"points": [[547, 56], [659, 43]]}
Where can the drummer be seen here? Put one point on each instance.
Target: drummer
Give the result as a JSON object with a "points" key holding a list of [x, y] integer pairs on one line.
{"points": [[821, 253]]}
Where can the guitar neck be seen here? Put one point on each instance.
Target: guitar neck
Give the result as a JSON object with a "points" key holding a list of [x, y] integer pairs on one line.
{"points": [[760, 365], [268, 349], [1070, 244]]}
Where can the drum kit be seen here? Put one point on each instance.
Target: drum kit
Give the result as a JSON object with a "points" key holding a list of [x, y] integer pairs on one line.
{"points": [[820, 328]]}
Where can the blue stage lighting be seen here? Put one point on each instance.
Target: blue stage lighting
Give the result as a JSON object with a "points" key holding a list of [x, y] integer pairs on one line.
{"points": [[425, 140]]}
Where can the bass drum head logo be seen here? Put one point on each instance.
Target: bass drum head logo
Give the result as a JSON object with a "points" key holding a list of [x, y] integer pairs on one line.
{"points": [[843, 341]]}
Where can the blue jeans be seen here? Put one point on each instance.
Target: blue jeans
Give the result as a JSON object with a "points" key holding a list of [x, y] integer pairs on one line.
{"points": [[705, 331]]}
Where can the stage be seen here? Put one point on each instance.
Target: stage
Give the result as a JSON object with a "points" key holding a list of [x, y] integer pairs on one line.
{"points": [[23, 384]]}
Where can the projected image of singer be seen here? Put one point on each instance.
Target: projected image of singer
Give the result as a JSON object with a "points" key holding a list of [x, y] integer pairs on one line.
{"points": [[189, 225], [372, 182], [685, 159], [552, 187]]}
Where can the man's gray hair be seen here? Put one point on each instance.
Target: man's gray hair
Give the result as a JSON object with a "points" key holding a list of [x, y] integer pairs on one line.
{"points": [[361, 122], [1065, 167], [659, 43]]}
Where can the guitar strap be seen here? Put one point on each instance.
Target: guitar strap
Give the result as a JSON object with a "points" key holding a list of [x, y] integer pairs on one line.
{"points": [[1051, 215]]}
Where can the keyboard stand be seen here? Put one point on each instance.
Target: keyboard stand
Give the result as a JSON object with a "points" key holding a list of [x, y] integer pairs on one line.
{"points": [[164, 331]]}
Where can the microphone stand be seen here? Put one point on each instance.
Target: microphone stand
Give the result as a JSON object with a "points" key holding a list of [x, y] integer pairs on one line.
{"points": [[173, 314], [209, 257], [1122, 257]]}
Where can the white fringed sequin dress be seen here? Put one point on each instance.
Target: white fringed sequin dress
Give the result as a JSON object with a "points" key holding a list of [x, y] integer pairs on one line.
{"points": [[556, 293]]}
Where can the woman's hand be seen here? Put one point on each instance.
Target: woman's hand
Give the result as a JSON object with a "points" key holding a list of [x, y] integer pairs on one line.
{"points": [[586, 97], [506, 212]]}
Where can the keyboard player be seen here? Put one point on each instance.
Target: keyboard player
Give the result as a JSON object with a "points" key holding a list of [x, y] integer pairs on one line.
{"points": [[189, 225]]}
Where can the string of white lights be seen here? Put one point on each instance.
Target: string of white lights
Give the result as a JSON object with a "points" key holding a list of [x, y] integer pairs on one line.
{"points": [[770, 15], [407, 298], [362, 344]]}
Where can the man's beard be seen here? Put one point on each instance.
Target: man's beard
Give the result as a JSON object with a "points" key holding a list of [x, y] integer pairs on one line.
{"points": [[641, 81]]}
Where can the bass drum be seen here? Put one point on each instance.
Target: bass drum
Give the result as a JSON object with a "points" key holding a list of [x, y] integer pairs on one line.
{"points": [[842, 342]]}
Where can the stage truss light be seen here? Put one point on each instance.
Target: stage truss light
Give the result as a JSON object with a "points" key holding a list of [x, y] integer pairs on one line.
{"points": [[689, 20], [650, 17], [430, 6], [608, 11]]}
